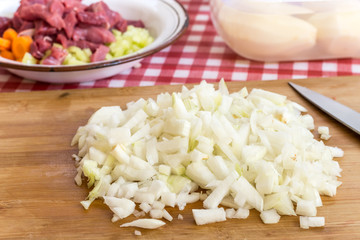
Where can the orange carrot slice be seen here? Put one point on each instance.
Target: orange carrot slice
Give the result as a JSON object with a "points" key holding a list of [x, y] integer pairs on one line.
{"points": [[10, 34], [5, 44], [7, 54], [20, 46]]}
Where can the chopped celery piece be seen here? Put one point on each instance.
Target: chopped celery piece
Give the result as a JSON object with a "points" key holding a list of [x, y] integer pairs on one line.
{"points": [[29, 59], [71, 60], [81, 55], [129, 42]]}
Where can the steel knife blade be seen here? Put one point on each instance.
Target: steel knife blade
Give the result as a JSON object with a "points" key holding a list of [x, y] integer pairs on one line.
{"points": [[338, 111]]}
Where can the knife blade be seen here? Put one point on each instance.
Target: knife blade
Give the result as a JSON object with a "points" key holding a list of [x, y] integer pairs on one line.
{"points": [[338, 111]]}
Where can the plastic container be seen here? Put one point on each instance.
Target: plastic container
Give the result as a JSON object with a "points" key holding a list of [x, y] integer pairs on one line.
{"points": [[280, 30]]}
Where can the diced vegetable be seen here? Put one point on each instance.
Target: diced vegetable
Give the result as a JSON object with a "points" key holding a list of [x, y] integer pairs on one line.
{"points": [[307, 222], [270, 216], [20, 46], [324, 132], [28, 59], [246, 191], [145, 223], [306, 208], [206, 216], [167, 215], [5, 44], [7, 54], [241, 213], [122, 207], [255, 150], [217, 195], [10, 34], [128, 42]]}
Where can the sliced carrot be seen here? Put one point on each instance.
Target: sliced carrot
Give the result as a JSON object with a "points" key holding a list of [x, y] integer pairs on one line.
{"points": [[21, 45], [5, 44], [10, 34], [7, 54]]}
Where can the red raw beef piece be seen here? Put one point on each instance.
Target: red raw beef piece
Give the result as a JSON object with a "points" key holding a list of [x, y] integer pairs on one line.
{"points": [[26, 25], [113, 17], [137, 23], [42, 28], [80, 33], [16, 21], [84, 44], [39, 47], [92, 18], [56, 7], [122, 25], [56, 57], [93, 34], [33, 12], [5, 23], [31, 2], [99, 35], [99, 54], [73, 5], [70, 22], [55, 20], [61, 38], [102, 8], [39, 11]]}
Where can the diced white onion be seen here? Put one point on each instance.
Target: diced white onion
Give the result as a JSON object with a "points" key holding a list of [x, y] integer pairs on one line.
{"points": [[167, 215], [206, 216], [307, 222], [270, 216], [324, 132], [306, 208], [144, 223], [244, 150]]}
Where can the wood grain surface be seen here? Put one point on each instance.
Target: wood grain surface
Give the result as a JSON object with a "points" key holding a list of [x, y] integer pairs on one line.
{"points": [[39, 199]]}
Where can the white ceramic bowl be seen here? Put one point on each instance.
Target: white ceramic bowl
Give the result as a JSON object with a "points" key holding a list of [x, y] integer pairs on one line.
{"points": [[166, 21]]}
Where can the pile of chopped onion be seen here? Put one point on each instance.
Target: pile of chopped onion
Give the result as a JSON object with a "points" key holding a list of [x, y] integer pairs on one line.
{"points": [[234, 152]]}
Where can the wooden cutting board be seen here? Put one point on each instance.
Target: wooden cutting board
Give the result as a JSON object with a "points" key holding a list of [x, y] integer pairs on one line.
{"points": [[39, 199]]}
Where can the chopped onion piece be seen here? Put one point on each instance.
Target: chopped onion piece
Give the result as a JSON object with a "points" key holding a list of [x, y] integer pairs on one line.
{"points": [[336, 152], [230, 212], [145, 207], [167, 215], [306, 208], [324, 132], [307, 222], [206, 216], [241, 213], [169, 199], [217, 195], [243, 188], [270, 216], [144, 223], [156, 213]]}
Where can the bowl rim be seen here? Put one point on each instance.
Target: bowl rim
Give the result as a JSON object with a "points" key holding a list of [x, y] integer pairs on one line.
{"points": [[179, 30]]}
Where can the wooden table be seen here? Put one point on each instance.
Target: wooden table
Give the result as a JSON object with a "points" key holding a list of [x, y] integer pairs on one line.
{"points": [[39, 199]]}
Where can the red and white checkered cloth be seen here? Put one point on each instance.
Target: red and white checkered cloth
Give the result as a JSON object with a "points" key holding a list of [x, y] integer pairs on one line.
{"points": [[199, 54]]}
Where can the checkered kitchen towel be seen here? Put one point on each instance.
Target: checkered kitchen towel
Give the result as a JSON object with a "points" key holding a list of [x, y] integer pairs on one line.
{"points": [[199, 54]]}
